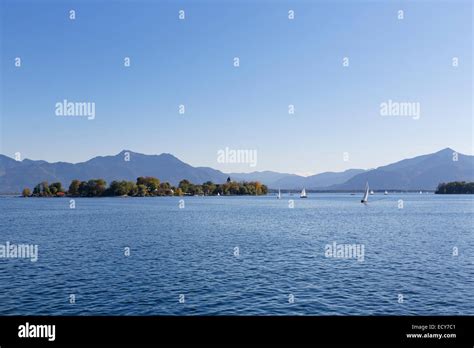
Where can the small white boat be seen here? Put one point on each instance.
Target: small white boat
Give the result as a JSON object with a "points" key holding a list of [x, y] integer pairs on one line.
{"points": [[366, 194], [279, 194], [385, 193], [421, 192], [218, 194], [303, 194], [371, 192]]}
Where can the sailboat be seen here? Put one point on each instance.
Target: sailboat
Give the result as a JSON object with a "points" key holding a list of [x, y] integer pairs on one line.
{"points": [[279, 194], [366, 194], [303, 194], [371, 192], [385, 193]]}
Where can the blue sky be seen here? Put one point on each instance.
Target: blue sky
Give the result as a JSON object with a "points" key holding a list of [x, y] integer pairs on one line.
{"points": [[282, 62]]}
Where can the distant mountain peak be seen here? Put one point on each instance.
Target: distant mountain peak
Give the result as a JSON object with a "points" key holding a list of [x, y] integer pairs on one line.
{"points": [[446, 150], [164, 154], [123, 152], [423, 172]]}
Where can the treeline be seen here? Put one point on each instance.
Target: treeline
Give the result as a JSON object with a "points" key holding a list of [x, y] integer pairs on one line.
{"points": [[144, 187], [455, 187]]}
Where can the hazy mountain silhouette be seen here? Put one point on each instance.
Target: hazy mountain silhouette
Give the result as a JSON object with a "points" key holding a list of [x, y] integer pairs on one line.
{"points": [[419, 173], [293, 181], [14, 175]]}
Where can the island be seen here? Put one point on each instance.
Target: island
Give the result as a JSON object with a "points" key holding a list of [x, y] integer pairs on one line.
{"points": [[145, 187], [455, 187]]}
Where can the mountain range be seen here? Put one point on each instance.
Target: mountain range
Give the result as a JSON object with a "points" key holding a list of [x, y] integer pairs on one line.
{"points": [[419, 173]]}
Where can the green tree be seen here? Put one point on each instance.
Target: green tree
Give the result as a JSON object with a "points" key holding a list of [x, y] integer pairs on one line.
{"points": [[122, 188], [195, 190], [152, 184], [83, 189], [74, 188], [165, 186], [96, 187], [208, 188], [184, 185], [142, 190], [56, 187], [456, 187], [26, 192], [132, 188], [244, 190], [45, 192], [37, 190]]}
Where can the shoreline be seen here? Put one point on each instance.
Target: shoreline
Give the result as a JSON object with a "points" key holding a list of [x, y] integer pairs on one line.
{"points": [[295, 195]]}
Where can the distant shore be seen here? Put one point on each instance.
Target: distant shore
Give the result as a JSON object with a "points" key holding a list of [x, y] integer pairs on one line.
{"points": [[269, 192], [455, 187], [152, 187]]}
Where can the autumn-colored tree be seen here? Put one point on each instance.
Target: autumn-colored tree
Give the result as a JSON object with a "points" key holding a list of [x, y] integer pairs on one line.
{"points": [[152, 184]]}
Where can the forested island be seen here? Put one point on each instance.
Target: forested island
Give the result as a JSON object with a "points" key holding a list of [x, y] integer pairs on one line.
{"points": [[455, 187], [144, 187]]}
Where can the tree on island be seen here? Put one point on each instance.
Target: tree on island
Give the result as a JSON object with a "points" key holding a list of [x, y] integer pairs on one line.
{"points": [[96, 187], [122, 188], [208, 188], [37, 190], [74, 188], [145, 187], [55, 188], [455, 187], [151, 184], [184, 185], [45, 190]]}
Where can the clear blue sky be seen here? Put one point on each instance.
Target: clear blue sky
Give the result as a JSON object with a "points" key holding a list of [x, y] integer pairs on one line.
{"points": [[283, 62]]}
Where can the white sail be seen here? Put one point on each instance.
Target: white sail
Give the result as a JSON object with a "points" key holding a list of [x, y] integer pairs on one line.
{"points": [[386, 193], [366, 194], [303, 194], [279, 194]]}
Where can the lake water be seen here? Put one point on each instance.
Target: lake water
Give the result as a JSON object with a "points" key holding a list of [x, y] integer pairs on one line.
{"points": [[279, 268]]}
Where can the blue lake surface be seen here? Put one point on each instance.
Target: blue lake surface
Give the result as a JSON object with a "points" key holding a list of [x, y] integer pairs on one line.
{"points": [[191, 251]]}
